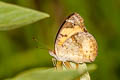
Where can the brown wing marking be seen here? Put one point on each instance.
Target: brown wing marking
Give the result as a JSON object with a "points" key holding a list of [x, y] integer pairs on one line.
{"points": [[73, 24]]}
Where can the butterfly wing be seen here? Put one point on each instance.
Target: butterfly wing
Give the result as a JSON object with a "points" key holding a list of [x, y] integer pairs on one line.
{"points": [[79, 48], [73, 24], [67, 46]]}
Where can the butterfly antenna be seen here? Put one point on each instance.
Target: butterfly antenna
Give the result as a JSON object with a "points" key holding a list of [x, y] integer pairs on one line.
{"points": [[39, 44]]}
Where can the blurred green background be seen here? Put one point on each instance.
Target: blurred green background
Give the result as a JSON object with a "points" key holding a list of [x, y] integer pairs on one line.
{"points": [[18, 50]]}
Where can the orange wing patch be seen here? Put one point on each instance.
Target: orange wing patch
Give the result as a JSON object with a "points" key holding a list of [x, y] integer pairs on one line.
{"points": [[68, 32], [72, 25]]}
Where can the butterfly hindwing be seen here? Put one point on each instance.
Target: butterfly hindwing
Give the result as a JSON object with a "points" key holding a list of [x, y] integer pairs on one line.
{"points": [[80, 47]]}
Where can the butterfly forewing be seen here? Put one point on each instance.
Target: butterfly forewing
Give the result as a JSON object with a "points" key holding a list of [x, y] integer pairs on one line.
{"points": [[72, 25]]}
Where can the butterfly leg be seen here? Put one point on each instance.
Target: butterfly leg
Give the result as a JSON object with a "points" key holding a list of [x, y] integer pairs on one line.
{"points": [[54, 61], [67, 65], [59, 65]]}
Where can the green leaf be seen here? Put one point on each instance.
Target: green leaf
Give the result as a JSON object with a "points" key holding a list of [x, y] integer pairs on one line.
{"points": [[12, 16], [23, 60], [49, 74]]}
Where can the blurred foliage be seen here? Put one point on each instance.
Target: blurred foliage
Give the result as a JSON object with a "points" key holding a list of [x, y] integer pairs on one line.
{"points": [[49, 74], [13, 16], [17, 49], [53, 74]]}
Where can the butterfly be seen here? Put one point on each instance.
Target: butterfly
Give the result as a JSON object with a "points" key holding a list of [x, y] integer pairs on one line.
{"points": [[73, 42]]}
